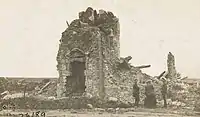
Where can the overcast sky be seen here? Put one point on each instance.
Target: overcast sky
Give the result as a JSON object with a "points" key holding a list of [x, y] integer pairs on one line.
{"points": [[31, 29]]}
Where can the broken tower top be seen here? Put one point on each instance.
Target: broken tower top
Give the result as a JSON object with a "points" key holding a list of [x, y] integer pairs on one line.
{"points": [[84, 30], [91, 16]]}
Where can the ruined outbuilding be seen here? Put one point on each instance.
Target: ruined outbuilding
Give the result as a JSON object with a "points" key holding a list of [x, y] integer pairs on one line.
{"points": [[89, 58]]}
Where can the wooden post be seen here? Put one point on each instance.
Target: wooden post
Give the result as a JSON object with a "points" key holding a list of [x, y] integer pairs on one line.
{"points": [[67, 23]]}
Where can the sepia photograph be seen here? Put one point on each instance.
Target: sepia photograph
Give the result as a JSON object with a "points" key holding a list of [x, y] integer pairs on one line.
{"points": [[99, 58]]}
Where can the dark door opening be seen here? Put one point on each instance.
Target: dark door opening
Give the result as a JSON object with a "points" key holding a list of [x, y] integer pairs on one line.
{"points": [[78, 76]]}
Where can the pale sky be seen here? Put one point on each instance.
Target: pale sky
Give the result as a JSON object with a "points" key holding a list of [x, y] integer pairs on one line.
{"points": [[31, 29]]}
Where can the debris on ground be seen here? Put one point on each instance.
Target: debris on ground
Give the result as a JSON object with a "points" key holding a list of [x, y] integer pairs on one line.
{"points": [[45, 86], [16, 95]]}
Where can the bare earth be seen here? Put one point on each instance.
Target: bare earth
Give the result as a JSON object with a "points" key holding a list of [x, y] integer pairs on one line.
{"points": [[109, 113]]}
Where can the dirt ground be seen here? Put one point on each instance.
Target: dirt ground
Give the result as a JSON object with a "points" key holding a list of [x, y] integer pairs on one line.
{"points": [[131, 112]]}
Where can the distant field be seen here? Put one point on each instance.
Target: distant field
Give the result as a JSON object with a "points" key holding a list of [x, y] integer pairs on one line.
{"points": [[31, 79]]}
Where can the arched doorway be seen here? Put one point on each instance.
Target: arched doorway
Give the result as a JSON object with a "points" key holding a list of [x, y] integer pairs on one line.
{"points": [[76, 82]]}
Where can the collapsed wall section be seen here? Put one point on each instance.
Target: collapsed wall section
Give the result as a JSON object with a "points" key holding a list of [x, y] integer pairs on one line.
{"points": [[119, 79]]}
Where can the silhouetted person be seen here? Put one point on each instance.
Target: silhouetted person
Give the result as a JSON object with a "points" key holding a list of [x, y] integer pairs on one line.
{"points": [[136, 93], [164, 91], [150, 100]]}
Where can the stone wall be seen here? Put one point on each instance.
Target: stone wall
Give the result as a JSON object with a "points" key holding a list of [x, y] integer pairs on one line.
{"points": [[89, 48], [87, 34], [119, 82]]}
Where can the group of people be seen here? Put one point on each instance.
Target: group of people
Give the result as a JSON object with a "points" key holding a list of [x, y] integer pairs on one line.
{"points": [[150, 99]]}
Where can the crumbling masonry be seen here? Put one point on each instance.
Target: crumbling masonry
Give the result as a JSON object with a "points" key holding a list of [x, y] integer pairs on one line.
{"points": [[89, 58], [171, 67]]}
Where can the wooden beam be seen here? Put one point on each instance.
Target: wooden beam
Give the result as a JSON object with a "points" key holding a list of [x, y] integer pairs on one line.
{"points": [[143, 66]]}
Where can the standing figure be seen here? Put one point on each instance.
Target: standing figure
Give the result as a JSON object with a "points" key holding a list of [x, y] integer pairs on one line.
{"points": [[136, 93], [150, 100], [164, 91]]}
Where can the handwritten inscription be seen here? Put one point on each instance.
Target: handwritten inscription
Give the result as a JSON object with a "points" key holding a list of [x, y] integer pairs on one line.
{"points": [[34, 114]]}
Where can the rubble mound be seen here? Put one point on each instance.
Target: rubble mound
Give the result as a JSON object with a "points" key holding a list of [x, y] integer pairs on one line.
{"points": [[32, 102], [197, 101]]}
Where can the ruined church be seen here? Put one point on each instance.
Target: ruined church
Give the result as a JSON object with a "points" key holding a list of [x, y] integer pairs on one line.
{"points": [[89, 58]]}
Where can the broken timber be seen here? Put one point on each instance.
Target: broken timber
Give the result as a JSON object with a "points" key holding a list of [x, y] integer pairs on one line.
{"points": [[161, 75], [143, 66], [44, 87]]}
